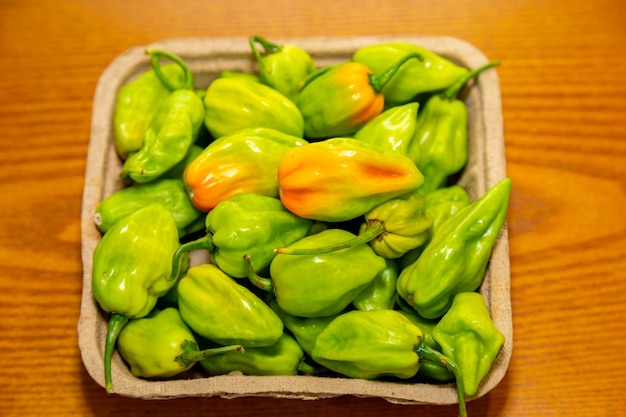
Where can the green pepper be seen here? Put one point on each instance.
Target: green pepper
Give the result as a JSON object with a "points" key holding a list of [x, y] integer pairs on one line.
{"points": [[136, 104], [442, 134], [167, 142], [341, 179], [340, 99], [179, 169], [223, 311], [468, 336], [432, 73], [456, 258], [282, 67], [243, 162], [246, 224], [170, 193], [131, 266], [236, 103], [324, 284], [380, 294], [393, 129], [239, 74], [285, 357], [378, 343], [391, 228], [161, 345]]}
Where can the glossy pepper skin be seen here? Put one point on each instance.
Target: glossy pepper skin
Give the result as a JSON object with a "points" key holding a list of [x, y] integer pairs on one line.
{"points": [[393, 129], [467, 334], [223, 311], [131, 266], [161, 345], [442, 134], [235, 103], [340, 179], [432, 73], [380, 294], [456, 258], [282, 358], [338, 100], [247, 224], [136, 104], [170, 193], [167, 140], [244, 162], [324, 284], [282, 67]]}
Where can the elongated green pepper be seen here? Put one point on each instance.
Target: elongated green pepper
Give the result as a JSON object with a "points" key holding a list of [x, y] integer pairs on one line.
{"points": [[137, 104], [456, 258], [442, 134], [467, 334], [161, 345], [282, 67], [223, 311], [246, 224], [378, 343], [432, 73], [168, 140], [131, 266]]}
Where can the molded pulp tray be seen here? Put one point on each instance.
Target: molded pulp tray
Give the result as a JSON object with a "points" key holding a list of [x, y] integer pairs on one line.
{"points": [[207, 57]]}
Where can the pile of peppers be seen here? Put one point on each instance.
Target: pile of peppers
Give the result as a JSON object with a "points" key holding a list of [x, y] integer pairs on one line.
{"points": [[339, 241]]}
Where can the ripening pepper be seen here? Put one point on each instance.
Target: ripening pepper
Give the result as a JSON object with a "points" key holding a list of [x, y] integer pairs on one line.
{"points": [[161, 345], [339, 99], [131, 266], [393, 129], [167, 140], [282, 67], [223, 311], [467, 335], [170, 193], [236, 103], [456, 258], [378, 343], [285, 357], [442, 134], [341, 179], [136, 104], [432, 73], [380, 294], [392, 228], [244, 162], [246, 224], [323, 284]]}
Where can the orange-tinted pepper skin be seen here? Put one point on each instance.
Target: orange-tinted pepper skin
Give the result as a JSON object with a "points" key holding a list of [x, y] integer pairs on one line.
{"points": [[340, 179], [339, 101]]}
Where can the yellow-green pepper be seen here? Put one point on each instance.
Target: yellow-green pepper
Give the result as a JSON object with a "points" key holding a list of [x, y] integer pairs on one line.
{"points": [[380, 294]]}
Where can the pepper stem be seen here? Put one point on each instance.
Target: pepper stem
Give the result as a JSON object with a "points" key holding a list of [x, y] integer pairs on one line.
{"points": [[378, 81], [374, 228], [269, 47], [451, 92], [116, 323], [258, 281], [429, 354], [205, 242], [192, 354], [156, 66]]}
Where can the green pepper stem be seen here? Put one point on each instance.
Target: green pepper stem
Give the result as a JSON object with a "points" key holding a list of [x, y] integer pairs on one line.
{"points": [[451, 92], [116, 323], [378, 82], [374, 228], [429, 354], [192, 354], [269, 47], [258, 281], [156, 66], [205, 242]]}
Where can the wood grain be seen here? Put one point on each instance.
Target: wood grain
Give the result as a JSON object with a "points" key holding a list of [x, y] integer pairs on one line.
{"points": [[563, 94]]}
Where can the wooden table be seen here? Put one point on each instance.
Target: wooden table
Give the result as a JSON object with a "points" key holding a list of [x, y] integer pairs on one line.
{"points": [[564, 106]]}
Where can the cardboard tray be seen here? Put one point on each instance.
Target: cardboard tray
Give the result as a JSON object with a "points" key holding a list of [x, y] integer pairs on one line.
{"points": [[207, 57]]}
